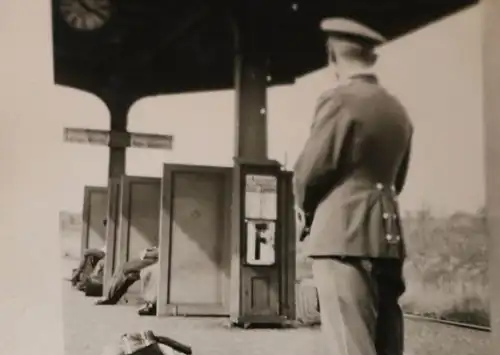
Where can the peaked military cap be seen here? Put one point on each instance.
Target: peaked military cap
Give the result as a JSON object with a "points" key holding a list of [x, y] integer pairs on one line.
{"points": [[351, 28]]}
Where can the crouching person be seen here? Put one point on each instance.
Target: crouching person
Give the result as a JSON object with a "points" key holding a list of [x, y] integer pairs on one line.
{"points": [[127, 274], [93, 285], [146, 343], [91, 258]]}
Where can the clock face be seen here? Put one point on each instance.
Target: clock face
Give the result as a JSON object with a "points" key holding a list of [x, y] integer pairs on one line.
{"points": [[85, 14]]}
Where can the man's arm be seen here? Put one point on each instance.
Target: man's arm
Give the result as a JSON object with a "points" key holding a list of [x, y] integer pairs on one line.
{"points": [[316, 169], [403, 171]]}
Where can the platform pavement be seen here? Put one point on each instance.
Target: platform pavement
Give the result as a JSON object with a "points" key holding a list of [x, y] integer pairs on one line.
{"points": [[89, 328]]}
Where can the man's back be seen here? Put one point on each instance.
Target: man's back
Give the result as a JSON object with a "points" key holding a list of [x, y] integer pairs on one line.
{"points": [[381, 131], [348, 176], [369, 141]]}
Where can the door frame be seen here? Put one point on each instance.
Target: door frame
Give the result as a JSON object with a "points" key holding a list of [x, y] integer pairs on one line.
{"points": [[288, 248], [87, 196], [164, 307], [123, 236], [111, 230]]}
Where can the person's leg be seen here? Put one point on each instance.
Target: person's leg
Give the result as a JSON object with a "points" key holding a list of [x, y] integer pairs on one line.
{"points": [[75, 277], [98, 272], [347, 297], [122, 279], [84, 275], [149, 283], [83, 267], [92, 284], [390, 323], [91, 264], [120, 283], [125, 277], [149, 290], [136, 265]]}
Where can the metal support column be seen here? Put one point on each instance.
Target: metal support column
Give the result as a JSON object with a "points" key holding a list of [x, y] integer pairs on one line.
{"points": [[118, 108], [250, 144], [251, 106]]}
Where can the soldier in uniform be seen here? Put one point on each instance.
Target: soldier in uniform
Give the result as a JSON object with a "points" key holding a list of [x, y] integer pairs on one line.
{"points": [[346, 182]]}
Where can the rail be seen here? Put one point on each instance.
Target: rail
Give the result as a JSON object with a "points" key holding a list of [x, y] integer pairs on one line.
{"points": [[308, 314], [447, 322]]}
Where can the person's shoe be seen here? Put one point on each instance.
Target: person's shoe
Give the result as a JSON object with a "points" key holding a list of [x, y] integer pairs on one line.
{"points": [[74, 280], [149, 309], [104, 302], [80, 286], [75, 277]]}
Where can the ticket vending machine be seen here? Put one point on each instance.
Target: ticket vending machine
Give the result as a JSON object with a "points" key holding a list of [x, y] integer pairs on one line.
{"points": [[263, 245]]}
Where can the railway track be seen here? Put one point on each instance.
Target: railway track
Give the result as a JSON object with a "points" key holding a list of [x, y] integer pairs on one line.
{"points": [[307, 310], [447, 322]]}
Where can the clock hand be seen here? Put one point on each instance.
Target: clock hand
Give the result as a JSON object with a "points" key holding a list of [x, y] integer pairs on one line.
{"points": [[85, 6], [92, 10], [102, 16]]}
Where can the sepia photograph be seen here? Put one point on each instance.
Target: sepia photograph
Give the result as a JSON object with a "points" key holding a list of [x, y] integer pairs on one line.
{"points": [[360, 119], [276, 177]]}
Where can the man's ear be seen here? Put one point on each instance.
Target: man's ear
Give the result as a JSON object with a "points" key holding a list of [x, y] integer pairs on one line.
{"points": [[371, 56]]}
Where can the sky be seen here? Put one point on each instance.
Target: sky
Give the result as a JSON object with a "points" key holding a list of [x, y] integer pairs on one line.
{"points": [[435, 71]]}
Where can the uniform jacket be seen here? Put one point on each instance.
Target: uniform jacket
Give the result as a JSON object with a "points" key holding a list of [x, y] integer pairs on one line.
{"points": [[353, 166]]}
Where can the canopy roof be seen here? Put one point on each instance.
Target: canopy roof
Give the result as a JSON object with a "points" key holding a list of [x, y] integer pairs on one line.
{"points": [[152, 47]]}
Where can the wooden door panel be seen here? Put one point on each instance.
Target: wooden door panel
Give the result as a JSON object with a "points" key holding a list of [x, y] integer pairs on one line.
{"points": [[196, 259], [143, 217], [195, 249], [98, 210], [94, 212], [139, 222]]}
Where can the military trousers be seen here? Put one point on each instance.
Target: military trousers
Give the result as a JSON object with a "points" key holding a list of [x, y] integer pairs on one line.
{"points": [[359, 309]]}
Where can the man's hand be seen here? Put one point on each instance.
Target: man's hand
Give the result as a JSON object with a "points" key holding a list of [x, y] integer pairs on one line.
{"points": [[302, 225], [145, 252], [150, 253], [300, 216]]}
